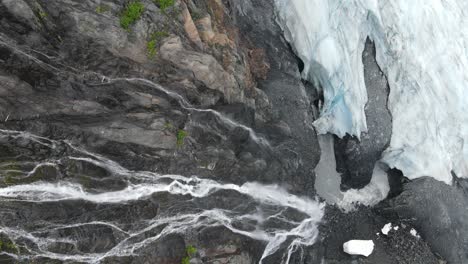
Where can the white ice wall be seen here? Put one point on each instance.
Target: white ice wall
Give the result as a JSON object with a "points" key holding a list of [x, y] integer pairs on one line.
{"points": [[422, 47]]}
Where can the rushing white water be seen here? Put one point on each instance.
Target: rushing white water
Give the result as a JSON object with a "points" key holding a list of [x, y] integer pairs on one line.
{"points": [[187, 106], [228, 122], [291, 232], [422, 47]]}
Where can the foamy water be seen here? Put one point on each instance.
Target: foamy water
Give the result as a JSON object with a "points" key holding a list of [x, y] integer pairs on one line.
{"points": [[291, 234]]}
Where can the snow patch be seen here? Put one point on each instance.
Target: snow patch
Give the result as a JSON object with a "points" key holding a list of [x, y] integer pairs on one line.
{"points": [[359, 247], [387, 228], [414, 233]]}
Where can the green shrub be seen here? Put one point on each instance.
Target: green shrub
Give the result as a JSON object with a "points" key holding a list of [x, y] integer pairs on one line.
{"points": [[152, 44], [181, 134], [151, 48], [131, 14], [189, 252], [185, 260], [164, 4]]}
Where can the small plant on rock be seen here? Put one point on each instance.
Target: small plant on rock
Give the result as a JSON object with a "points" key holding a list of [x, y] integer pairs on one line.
{"points": [[190, 251], [131, 14], [154, 41], [164, 4], [181, 134]]}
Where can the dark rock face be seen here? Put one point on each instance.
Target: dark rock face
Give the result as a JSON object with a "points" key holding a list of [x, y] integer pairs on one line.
{"points": [[74, 87], [355, 159], [292, 107], [399, 246], [439, 213], [68, 71], [220, 98]]}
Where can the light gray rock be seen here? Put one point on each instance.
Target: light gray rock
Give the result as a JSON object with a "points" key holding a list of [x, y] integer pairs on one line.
{"points": [[204, 68]]}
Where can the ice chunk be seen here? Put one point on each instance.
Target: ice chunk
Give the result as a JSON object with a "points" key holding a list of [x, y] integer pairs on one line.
{"points": [[414, 233], [396, 228], [359, 247], [370, 195], [386, 228], [422, 47]]}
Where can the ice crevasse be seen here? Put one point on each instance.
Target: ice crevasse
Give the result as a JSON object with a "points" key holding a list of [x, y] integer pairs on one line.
{"points": [[422, 47]]}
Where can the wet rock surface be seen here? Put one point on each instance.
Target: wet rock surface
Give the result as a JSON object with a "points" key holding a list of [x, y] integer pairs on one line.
{"points": [[355, 158], [438, 212], [217, 95]]}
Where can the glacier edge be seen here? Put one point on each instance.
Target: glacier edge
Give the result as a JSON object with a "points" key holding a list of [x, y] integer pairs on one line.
{"points": [[422, 47]]}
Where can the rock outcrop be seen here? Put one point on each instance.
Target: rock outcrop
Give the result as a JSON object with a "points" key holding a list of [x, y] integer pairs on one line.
{"points": [[206, 88]]}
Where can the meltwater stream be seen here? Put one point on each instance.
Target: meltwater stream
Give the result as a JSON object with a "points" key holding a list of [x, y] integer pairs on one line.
{"points": [[72, 194]]}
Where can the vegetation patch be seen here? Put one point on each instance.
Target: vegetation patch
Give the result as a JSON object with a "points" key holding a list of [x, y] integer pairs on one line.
{"points": [[131, 14], [164, 4], [190, 251], [42, 14], [102, 9], [9, 179], [168, 126], [154, 41], [8, 246], [196, 15], [181, 135]]}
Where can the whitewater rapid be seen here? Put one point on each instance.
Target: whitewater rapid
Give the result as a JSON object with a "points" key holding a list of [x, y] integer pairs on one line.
{"points": [[422, 47], [270, 214]]}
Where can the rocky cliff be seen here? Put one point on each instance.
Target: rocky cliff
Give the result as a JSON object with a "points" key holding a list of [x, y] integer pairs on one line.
{"points": [[206, 88]]}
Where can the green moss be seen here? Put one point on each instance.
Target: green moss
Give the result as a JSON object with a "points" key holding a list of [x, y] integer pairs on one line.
{"points": [[151, 48], [9, 180], [8, 246], [190, 251], [155, 39], [131, 14], [102, 9], [196, 16], [185, 260], [164, 4], [168, 126], [42, 14], [181, 134], [10, 170]]}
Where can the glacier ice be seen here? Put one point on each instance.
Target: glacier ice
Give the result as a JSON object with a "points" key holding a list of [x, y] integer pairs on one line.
{"points": [[422, 47]]}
